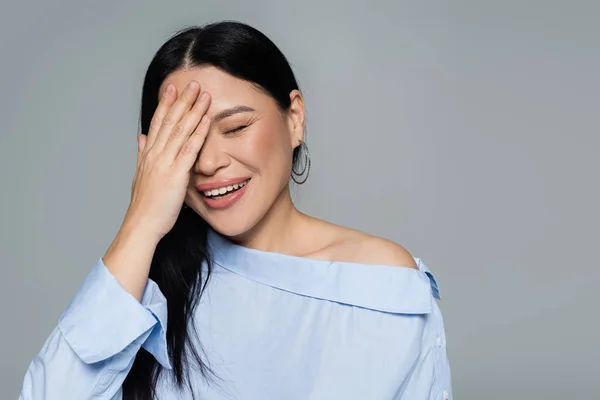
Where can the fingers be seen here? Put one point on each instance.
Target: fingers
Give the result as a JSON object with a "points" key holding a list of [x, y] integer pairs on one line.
{"points": [[190, 149], [171, 123], [164, 105], [186, 126]]}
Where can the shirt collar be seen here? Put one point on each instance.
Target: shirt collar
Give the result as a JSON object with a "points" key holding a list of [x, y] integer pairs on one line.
{"points": [[392, 289]]}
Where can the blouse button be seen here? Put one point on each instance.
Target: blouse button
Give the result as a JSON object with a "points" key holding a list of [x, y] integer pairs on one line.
{"points": [[446, 395], [439, 342]]}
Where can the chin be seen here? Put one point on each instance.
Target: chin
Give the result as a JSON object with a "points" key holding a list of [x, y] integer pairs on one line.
{"points": [[230, 227], [238, 220], [230, 230]]}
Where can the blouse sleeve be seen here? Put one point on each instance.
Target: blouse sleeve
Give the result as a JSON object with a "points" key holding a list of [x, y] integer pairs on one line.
{"points": [[431, 378], [90, 352]]}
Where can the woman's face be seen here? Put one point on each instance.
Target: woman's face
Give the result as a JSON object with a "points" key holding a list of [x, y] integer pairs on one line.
{"points": [[248, 151]]}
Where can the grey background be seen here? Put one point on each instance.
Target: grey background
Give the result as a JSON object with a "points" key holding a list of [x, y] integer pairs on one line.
{"points": [[466, 131]]}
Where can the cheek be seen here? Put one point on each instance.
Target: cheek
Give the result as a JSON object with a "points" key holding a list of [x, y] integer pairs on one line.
{"points": [[266, 150]]}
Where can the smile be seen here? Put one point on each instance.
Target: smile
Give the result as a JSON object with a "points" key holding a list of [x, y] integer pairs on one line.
{"points": [[223, 195], [225, 190]]}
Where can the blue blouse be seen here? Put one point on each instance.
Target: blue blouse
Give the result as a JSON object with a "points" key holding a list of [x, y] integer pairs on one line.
{"points": [[272, 326]]}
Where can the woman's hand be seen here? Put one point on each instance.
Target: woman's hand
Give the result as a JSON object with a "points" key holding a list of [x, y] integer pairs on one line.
{"points": [[165, 159]]}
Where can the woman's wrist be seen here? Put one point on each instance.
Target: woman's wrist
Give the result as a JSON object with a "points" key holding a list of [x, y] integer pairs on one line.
{"points": [[129, 257]]}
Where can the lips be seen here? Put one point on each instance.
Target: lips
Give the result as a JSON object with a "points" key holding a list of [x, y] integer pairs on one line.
{"points": [[204, 187], [220, 201]]}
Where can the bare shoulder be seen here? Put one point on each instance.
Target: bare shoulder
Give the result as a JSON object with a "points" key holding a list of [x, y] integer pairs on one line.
{"points": [[351, 245], [378, 250]]}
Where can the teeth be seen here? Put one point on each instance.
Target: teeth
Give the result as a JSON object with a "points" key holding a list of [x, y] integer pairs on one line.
{"points": [[225, 189]]}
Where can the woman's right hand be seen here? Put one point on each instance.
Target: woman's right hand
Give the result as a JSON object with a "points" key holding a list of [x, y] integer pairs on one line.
{"points": [[165, 159]]}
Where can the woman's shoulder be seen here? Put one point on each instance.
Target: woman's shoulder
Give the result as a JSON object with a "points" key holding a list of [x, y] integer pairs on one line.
{"points": [[345, 244]]}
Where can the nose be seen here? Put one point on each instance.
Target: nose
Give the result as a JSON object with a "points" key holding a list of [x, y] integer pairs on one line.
{"points": [[211, 158]]}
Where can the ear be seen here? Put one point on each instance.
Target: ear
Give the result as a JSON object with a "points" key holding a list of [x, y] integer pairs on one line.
{"points": [[296, 118]]}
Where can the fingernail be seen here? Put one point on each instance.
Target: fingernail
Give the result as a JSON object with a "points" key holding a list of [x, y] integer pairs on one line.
{"points": [[169, 88], [203, 96], [192, 86]]}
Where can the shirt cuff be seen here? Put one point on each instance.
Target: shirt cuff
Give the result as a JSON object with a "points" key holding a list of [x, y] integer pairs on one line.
{"points": [[103, 318]]}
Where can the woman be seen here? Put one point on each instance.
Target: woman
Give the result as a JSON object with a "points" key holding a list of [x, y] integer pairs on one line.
{"points": [[216, 286]]}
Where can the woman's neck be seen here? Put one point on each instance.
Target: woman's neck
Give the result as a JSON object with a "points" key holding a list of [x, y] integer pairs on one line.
{"points": [[278, 230]]}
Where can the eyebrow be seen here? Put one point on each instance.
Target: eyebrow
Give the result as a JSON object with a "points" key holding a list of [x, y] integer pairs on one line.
{"points": [[232, 111]]}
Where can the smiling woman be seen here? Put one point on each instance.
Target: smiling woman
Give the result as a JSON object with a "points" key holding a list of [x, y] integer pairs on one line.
{"points": [[216, 286], [251, 140]]}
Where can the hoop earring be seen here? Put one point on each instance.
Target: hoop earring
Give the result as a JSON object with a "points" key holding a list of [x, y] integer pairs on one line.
{"points": [[301, 176]]}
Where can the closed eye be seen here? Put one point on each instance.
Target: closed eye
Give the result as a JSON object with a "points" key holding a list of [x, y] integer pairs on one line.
{"points": [[234, 130]]}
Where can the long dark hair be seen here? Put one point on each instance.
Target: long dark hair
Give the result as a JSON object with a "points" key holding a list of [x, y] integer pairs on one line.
{"points": [[246, 53]]}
